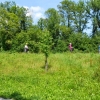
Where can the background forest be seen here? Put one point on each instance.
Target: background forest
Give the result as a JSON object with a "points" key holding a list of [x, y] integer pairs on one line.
{"points": [[69, 24]]}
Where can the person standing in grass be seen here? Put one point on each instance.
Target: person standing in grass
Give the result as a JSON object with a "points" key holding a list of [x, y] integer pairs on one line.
{"points": [[70, 47], [26, 48]]}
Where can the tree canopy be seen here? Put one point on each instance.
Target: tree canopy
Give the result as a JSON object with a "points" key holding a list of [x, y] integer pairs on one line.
{"points": [[67, 24]]}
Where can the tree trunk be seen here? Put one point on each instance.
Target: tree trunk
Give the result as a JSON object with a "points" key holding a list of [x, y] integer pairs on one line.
{"points": [[46, 63]]}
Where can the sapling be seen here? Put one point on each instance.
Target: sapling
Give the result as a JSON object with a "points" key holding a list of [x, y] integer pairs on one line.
{"points": [[46, 43]]}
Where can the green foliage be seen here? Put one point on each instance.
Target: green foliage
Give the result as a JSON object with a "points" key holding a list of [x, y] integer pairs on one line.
{"points": [[94, 14], [65, 25], [19, 41], [35, 35], [66, 12], [81, 42], [53, 24], [46, 43], [61, 46], [95, 42]]}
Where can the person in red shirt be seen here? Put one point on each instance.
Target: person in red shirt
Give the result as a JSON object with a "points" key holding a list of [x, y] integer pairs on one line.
{"points": [[70, 47]]}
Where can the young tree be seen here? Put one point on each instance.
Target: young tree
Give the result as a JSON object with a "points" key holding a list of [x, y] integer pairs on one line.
{"points": [[46, 43]]}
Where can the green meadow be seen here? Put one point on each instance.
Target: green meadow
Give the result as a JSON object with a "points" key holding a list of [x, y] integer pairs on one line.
{"points": [[71, 76]]}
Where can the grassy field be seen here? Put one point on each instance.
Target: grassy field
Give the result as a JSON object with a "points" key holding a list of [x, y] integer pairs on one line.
{"points": [[71, 76]]}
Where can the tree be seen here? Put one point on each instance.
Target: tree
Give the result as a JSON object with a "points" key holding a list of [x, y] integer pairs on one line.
{"points": [[95, 15], [46, 43], [9, 26], [24, 20], [74, 15], [42, 23], [81, 17], [66, 11], [35, 35], [53, 23], [13, 19]]}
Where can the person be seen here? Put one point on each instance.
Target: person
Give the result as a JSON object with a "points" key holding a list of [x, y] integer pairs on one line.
{"points": [[26, 48], [70, 47], [99, 48]]}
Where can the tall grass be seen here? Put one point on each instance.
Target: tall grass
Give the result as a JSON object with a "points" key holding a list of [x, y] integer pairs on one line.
{"points": [[71, 76]]}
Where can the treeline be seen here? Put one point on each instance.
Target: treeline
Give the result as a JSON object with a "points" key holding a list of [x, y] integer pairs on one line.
{"points": [[54, 33]]}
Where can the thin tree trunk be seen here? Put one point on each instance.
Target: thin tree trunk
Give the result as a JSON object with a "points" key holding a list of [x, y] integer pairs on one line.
{"points": [[46, 63]]}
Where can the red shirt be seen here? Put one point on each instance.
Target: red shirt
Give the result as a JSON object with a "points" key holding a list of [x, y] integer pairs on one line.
{"points": [[70, 46]]}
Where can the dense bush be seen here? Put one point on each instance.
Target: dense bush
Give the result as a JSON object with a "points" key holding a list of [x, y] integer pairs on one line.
{"points": [[81, 42]]}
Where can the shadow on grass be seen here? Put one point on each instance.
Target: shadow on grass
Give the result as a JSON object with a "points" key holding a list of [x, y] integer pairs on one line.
{"points": [[49, 66], [17, 96], [13, 96]]}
